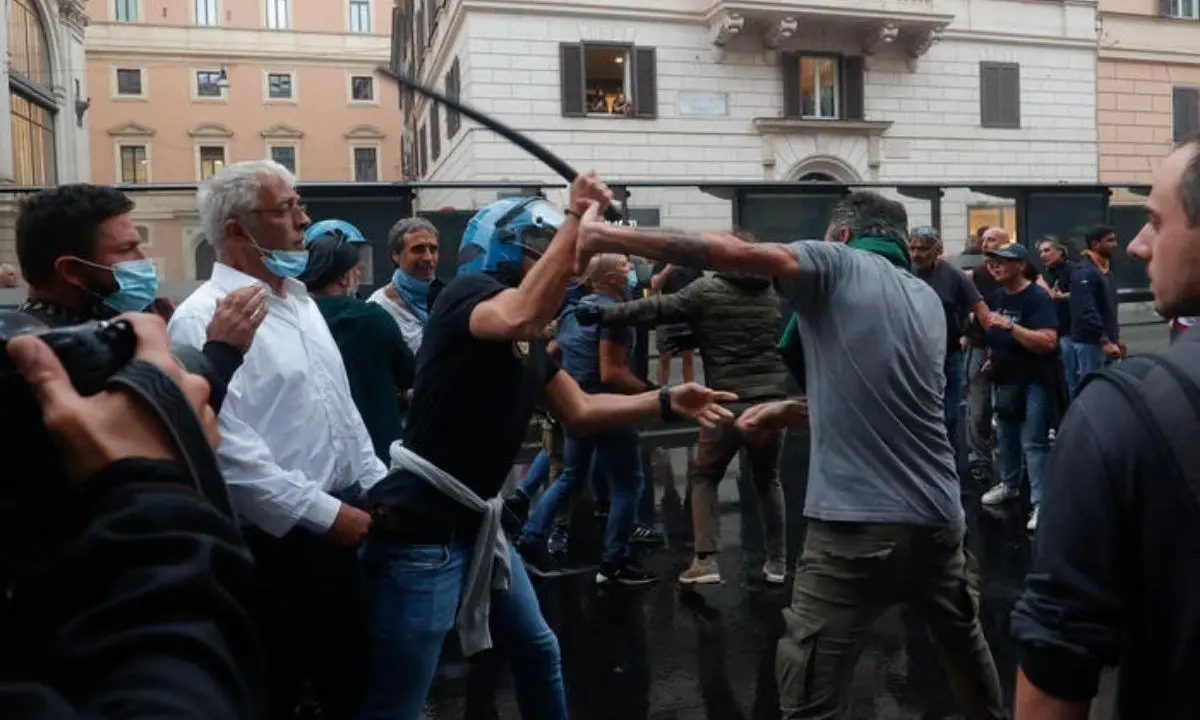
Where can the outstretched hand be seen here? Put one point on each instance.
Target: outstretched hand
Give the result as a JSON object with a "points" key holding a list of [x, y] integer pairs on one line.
{"points": [[701, 404], [763, 420]]}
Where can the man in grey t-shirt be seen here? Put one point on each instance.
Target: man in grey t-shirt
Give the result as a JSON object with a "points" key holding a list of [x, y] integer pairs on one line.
{"points": [[885, 520]]}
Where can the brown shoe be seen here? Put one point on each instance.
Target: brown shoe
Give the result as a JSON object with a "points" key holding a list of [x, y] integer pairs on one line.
{"points": [[702, 572]]}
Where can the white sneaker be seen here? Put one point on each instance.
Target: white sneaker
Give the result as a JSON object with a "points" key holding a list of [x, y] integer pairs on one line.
{"points": [[1033, 520], [999, 493]]}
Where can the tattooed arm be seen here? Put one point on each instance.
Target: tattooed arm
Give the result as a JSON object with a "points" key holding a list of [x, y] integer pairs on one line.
{"points": [[712, 250]]}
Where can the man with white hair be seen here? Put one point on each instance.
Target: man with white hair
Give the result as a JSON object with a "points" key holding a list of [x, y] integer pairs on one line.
{"points": [[295, 452]]}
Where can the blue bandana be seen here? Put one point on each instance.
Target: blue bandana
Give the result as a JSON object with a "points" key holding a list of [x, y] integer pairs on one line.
{"points": [[414, 292]]}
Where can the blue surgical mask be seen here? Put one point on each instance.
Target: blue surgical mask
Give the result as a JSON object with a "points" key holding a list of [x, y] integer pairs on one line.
{"points": [[137, 284], [282, 263]]}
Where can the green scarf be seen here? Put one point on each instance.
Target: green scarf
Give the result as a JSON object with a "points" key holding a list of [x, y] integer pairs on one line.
{"points": [[893, 251]]}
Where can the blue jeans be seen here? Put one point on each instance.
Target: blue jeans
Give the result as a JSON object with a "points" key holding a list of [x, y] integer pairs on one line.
{"points": [[414, 593], [538, 475], [618, 453], [954, 394], [1025, 444], [1070, 361], [1088, 359]]}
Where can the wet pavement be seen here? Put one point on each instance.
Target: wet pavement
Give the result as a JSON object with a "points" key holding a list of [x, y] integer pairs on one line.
{"points": [[669, 654]]}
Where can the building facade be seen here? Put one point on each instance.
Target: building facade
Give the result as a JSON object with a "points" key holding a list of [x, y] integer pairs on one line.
{"points": [[44, 137], [179, 88], [1148, 89], [887, 91]]}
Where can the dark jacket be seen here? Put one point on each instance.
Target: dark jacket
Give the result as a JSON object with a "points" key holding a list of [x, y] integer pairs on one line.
{"points": [[1093, 304], [379, 364], [736, 323], [1059, 277], [144, 615]]}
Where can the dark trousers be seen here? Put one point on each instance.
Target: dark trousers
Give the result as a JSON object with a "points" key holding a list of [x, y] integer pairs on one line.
{"points": [[848, 575], [311, 611], [717, 449]]}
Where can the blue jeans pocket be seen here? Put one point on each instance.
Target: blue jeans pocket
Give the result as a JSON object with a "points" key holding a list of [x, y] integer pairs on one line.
{"points": [[418, 557]]}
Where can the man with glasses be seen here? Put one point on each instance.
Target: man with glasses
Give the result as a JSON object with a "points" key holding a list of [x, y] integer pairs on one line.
{"points": [[294, 450], [959, 298]]}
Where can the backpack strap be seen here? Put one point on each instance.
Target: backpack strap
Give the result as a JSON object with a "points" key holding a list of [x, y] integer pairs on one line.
{"points": [[1152, 385]]}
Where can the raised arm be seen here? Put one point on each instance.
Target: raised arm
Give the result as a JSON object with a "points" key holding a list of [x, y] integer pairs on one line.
{"points": [[676, 307], [709, 249], [523, 312]]}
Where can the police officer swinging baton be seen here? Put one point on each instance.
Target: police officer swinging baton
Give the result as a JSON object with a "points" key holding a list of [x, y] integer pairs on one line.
{"points": [[517, 138]]}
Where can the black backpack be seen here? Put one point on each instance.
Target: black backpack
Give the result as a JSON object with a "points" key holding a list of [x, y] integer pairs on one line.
{"points": [[1171, 426]]}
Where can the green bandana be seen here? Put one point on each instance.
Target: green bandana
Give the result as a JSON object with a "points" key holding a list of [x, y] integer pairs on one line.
{"points": [[893, 251]]}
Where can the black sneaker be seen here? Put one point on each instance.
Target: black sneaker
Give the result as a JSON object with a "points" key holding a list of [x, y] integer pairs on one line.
{"points": [[629, 574], [646, 535], [541, 564]]}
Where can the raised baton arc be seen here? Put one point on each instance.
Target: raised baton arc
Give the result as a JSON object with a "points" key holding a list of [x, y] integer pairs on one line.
{"points": [[516, 137]]}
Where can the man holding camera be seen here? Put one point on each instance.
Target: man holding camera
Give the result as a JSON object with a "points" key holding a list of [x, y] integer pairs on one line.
{"points": [[83, 259], [142, 612]]}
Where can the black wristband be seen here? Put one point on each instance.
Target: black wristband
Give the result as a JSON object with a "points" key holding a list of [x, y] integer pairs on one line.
{"points": [[664, 406], [573, 214]]}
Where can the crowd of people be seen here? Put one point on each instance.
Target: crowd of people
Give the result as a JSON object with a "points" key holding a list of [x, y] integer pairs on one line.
{"points": [[366, 448]]}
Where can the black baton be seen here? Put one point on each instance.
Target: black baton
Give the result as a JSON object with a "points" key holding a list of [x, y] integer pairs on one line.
{"points": [[516, 137]]}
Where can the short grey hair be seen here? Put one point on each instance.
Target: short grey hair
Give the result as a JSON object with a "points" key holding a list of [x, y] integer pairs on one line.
{"points": [[1189, 182], [234, 191], [869, 214], [404, 227]]}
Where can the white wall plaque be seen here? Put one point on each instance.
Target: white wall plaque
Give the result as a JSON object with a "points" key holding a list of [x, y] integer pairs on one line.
{"points": [[702, 103]]}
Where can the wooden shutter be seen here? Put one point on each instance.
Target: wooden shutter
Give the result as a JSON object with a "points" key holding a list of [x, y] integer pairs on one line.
{"points": [[398, 39], [853, 82], [453, 90], [435, 132], [999, 95], [791, 84], [1185, 107], [645, 82], [572, 80], [422, 156]]}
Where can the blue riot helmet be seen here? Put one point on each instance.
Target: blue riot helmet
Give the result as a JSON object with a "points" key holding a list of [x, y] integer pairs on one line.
{"points": [[337, 228], [505, 231]]}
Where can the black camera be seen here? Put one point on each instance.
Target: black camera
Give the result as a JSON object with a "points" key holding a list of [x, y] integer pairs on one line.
{"points": [[91, 352]]}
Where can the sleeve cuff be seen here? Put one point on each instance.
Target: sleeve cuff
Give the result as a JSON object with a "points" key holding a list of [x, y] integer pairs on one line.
{"points": [[320, 514], [1061, 674]]}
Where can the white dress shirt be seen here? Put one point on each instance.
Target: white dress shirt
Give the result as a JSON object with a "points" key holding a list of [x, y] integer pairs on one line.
{"points": [[411, 328], [291, 435]]}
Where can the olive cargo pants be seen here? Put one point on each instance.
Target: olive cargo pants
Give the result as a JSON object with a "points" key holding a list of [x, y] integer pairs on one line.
{"points": [[848, 574]]}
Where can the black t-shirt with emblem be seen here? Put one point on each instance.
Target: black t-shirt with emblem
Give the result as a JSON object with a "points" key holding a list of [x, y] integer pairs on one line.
{"points": [[472, 402]]}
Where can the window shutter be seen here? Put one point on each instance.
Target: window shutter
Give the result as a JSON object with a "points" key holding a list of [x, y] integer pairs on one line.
{"points": [[572, 80], [645, 82], [1010, 95], [435, 132], [1164, 8], [397, 60], [987, 95], [453, 90], [791, 84], [1186, 111], [422, 155], [853, 82]]}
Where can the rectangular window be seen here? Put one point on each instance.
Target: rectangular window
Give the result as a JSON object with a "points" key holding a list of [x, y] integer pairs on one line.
{"points": [[993, 216], [608, 81], [366, 164], [360, 16], [1185, 111], [453, 91], [135, 167], [279, 86], [209, 83], [822, 87], [277, 14], [999, 95], [129, 81], [362, 88], [285, 155], [212, 159], [819, 87], [1187, 9], [126, 11], [206, 13]]}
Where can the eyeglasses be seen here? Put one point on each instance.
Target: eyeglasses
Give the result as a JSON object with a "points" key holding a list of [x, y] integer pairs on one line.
{"points": [[290, 205]]}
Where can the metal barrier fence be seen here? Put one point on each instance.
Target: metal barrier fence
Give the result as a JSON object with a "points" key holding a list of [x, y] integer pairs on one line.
{"points": [[772, 211]]}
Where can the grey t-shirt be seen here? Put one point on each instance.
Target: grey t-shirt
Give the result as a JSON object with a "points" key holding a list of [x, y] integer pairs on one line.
{"points": [[874, 340]]}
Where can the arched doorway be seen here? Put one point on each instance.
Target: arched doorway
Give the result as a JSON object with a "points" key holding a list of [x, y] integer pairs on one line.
{"points": [[205, 255], [817, 177], [31, 93]]}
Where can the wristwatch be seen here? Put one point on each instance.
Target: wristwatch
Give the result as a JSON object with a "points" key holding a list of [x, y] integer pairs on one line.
{"points": [[664, 406]]}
